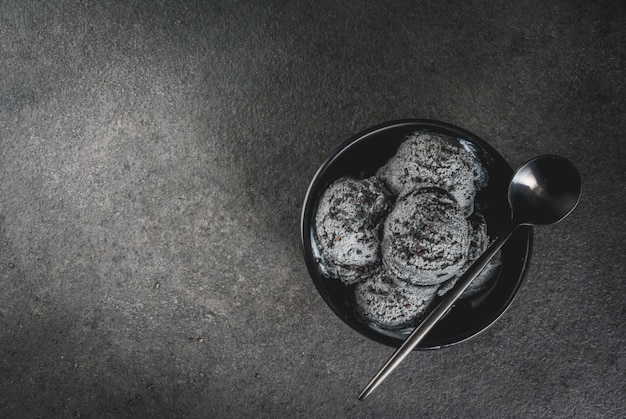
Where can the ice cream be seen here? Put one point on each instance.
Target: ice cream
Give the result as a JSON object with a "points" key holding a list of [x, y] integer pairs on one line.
{"points": [[402, 238], [391, 303], [429, 159], [426, 237], [349, 223], [479, 241], [478, 244]]}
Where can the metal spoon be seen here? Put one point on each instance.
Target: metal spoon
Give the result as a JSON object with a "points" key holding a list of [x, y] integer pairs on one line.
{"points": [[542, 191]]}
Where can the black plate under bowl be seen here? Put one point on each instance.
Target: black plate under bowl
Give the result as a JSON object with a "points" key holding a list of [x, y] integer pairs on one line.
{"points": [[360, 157]]}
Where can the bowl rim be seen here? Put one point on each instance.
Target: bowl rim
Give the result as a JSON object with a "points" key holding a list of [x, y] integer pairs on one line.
{"points": [[314, 186]]}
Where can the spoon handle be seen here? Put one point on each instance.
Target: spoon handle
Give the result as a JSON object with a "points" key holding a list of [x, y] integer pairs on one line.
{"points": [[439, 311]]}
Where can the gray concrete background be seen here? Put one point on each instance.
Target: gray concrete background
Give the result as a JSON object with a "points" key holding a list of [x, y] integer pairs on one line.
{"points": [[153, 161]]}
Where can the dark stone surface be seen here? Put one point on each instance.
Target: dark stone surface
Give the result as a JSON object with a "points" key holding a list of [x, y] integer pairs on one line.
{"points": [[153, 160]]}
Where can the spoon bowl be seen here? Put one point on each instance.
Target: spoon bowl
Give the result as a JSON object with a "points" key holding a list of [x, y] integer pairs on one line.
{"points": [[544, 191]]}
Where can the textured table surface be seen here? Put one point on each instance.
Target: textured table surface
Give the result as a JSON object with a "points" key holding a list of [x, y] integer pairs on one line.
{"points": [[154, 157]]}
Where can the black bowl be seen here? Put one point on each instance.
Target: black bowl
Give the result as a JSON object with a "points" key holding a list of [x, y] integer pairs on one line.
{"points": [[360, 157]]}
